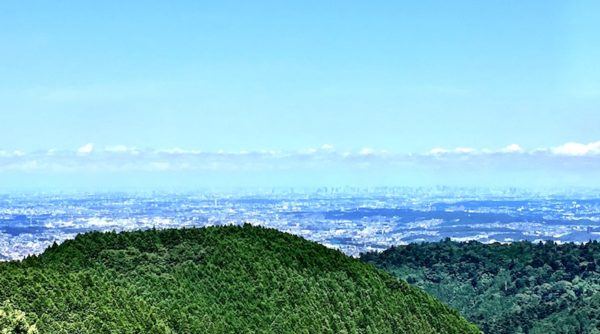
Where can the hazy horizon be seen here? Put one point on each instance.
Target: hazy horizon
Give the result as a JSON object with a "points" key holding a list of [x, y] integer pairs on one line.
{"points": [[270, 94]]}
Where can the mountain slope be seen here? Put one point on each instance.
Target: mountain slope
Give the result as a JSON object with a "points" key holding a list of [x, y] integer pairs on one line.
{"points": [[214, 280], [520, 287]]}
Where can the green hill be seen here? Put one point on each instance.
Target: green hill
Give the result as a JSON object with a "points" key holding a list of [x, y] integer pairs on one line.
{"points": [[520, 287], [211, 280]]}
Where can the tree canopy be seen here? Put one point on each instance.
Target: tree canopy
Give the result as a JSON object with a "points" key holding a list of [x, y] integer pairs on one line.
{"points": [[521, 287], [234, 279]]}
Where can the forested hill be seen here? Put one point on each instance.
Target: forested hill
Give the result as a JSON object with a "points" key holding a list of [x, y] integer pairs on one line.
{"points": [[210, 280], [521, 287]]}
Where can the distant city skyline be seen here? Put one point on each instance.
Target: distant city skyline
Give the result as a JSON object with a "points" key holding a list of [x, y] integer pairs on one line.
{"points": [[267, 93]]}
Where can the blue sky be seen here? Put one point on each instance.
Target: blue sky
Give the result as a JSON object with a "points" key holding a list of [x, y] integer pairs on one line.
{"points": [[386, 81]]}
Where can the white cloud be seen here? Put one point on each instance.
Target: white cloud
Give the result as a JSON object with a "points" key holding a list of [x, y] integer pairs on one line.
{"points": [[125, 158], [121, 149], [458, 150], [86, 149], [117, 149], [325, 148], [512, 148], [15, 153], [464, 150], [310, 150], [180, 151], [437, 151], [367, 151], [577, 149]]}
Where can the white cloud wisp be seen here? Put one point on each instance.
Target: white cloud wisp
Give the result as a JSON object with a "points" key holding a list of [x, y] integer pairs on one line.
{"points": [[124, 158]]}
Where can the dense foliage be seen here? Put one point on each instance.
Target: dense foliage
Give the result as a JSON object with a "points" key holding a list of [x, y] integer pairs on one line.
{"points": [[521, 287], [213, 280], [14, 321]]}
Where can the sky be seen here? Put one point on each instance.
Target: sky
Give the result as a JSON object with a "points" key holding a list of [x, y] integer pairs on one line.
{"points": [[299, 93]]}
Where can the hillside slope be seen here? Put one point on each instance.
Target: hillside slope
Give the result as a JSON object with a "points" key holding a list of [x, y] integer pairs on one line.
{"points": [[520, 287], [214, 280]]}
